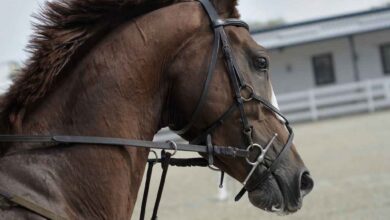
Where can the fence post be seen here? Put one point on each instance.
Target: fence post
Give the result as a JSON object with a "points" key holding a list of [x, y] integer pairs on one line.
{"points": [[313, 105], [386, 85], [370, 96]]}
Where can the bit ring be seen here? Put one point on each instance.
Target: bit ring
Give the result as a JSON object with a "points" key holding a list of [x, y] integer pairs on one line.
{"points": [[261, 153]]}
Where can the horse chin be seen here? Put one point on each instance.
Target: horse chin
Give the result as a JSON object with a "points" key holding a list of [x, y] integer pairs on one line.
{"points": [[269, 197]]}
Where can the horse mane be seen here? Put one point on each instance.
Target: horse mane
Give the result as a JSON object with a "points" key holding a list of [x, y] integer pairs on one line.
{"points": [[63, 27]]}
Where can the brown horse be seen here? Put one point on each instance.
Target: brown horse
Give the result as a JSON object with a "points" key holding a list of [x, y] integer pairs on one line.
{"points": [[127, 68]]}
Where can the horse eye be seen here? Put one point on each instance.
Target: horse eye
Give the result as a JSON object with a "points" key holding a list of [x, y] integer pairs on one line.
{"points": [[261, 63]]}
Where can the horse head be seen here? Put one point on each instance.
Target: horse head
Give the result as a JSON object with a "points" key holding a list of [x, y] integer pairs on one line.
{"points": [[222, 87]]}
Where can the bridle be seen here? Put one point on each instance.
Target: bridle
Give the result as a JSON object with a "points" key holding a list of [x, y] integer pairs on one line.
{"points": [[221, 42]]}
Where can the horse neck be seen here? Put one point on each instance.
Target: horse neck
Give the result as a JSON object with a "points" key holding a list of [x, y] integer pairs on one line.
{"points": [[118, 90], [120, 87]]}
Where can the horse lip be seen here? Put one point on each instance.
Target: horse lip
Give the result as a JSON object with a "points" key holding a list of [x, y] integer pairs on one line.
{"points": [[288, 207], [278, 208]]}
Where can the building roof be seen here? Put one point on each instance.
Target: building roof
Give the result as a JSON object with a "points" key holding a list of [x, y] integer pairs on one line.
{"points": [[323, 29]]}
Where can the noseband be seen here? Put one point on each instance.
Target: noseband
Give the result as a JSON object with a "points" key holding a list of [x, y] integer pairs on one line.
{"points": [[221, 42], [238, 84]]}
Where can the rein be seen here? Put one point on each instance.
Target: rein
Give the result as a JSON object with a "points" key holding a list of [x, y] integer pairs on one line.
{"points": [[105, 141], [221, 42], [166, 160]]}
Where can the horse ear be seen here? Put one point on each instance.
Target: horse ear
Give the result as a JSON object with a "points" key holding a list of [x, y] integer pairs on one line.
{"points": [[227, 8]]}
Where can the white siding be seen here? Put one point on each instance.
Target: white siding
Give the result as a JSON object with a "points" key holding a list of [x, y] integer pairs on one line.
{"points": [[299, 58], [370, 63]]}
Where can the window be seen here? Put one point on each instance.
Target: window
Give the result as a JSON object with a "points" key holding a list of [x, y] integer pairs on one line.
{"points": [[385, 54], [323, 69]]}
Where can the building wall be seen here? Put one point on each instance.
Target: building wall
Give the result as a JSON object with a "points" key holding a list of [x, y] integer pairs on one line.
{"points": [[292, 68], [370, 61], [298, 60]]}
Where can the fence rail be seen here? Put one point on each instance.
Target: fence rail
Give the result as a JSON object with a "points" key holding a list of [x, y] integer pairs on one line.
{"points": [[320, 103], [332, 101], [327, 102]]}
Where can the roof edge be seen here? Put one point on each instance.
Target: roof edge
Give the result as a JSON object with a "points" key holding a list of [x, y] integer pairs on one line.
{"points": [[325, 19]]}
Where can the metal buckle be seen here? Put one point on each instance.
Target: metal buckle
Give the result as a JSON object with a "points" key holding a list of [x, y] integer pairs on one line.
{"points": [[260, 158], [248, 88], [174, 147]]}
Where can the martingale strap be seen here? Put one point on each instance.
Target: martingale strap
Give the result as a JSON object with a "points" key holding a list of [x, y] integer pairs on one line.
{"points": [[165, 161], [165, 165]]}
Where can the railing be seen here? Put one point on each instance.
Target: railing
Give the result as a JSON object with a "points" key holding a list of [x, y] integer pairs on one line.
{"points": [[327, 102], [321, 103], [333, 101]]}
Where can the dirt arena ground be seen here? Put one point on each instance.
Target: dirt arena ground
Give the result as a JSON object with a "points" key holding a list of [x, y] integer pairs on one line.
{"points": [[349, 159]]}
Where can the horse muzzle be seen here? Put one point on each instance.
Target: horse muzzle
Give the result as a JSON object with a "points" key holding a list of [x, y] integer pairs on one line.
{"points": [[281, 193]]}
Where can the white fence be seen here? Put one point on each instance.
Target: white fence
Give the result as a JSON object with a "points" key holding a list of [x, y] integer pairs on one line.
{"points": [[332, 101], [327, 102], [321, 103]]}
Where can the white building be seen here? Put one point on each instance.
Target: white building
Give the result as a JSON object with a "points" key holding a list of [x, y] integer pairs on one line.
{"points": [[330, 51]]}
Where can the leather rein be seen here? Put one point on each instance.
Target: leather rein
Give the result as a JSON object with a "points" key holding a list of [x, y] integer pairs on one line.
{"points": [[221, 41]]}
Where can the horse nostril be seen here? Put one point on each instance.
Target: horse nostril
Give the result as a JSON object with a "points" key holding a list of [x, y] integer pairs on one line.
{"points": [[307, 183]]}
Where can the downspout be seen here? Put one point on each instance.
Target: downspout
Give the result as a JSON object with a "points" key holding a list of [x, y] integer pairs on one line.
{"points": [[355, 57]]}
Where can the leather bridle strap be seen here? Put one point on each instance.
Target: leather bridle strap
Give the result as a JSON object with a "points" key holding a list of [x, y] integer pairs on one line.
{"points": [[219, 36], [186, 162], [214, 125], [231, 22], [234, 75], [105, 141], [214, 17], [238, 85], [210, 74], [146, 189], [255, 182], [165, 166]]}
